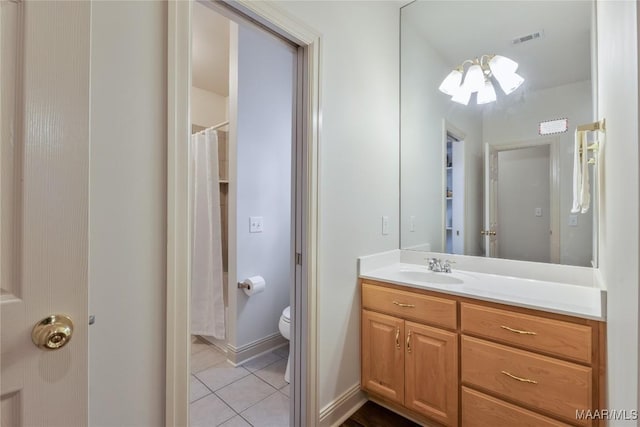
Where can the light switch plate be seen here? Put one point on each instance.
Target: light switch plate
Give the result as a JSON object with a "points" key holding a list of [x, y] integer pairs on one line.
{"points": [[255, 224], [538, 211], [385, 225], [412, 224]]}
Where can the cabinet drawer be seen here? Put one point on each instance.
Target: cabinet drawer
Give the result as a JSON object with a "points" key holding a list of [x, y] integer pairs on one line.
{"points": [[537, 333], [410, 305], [480, 410], [533, 380]]}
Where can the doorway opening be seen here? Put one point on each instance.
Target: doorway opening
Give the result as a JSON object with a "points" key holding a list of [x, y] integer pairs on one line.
{"points": [[253, 165], [454, 195], [242, 178], [522, 201]]}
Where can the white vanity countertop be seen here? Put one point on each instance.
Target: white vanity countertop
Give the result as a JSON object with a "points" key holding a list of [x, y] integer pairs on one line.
{"points": [[570, 299]]}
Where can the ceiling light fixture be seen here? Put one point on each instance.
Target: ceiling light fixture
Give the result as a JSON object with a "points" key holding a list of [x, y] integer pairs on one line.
{"points": [[477, 78]]}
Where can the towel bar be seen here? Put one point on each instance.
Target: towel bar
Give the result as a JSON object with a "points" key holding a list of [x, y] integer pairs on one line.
{"points": [[592, 127]]}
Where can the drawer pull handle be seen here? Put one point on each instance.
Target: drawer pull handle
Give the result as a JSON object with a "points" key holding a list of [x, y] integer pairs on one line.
{"points": [[522, 380], [409, 342], [517, 331], [400, 304], [398, 338]]}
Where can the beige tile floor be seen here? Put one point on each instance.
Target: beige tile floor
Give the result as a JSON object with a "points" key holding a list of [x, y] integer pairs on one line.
{"points": [[254, 394]]}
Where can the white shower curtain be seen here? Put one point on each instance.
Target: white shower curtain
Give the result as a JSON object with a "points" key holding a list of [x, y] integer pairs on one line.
{"points": [[207, 300]]}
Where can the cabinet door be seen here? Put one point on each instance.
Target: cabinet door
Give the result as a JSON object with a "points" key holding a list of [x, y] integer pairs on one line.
{"points": [[383, 355], [431, 372]]}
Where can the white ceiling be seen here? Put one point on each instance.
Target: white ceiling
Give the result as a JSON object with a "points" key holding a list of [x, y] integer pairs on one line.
{"points": [[210, 50], [462, 30]]}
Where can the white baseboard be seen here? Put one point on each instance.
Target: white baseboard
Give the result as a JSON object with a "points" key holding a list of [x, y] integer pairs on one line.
{"points": [[336, 412], [242, 354], [239, 355]]}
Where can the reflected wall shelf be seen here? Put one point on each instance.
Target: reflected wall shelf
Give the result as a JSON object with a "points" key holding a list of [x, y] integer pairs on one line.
{"points": [[454, 195]]}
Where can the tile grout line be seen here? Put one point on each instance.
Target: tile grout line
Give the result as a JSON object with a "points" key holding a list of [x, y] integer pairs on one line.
{"points": [[262, 379], [249, 372], [265, 398], [246, 420], [275, 391], [205, 386]]}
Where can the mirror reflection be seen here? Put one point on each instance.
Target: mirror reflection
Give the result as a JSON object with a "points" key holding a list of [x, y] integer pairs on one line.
{"points": [[491, 95]]}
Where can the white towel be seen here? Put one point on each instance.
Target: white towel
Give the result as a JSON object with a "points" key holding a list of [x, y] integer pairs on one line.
{"points": [[581, 190], [577, 173], [585, 191]]}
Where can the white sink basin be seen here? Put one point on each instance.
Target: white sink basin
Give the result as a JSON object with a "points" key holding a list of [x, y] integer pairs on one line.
{"points": [[430, 277]]}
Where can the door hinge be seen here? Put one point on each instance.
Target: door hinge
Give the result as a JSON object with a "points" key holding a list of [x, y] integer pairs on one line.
{"points": [[298, 259]]}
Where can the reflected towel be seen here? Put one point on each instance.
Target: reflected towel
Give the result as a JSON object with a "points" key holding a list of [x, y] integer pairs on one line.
{"points": [[585, 191], [577, 172], [581, 194]]}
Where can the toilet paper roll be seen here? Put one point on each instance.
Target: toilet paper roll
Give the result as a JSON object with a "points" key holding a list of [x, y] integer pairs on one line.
{"points": [[255, 285]]}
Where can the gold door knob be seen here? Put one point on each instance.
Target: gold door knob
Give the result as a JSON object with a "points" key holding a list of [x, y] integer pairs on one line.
{"points": [[492, 233], [52, 332]]}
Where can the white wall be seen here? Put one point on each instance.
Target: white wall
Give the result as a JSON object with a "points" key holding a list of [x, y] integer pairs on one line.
{"points": [[261, 177], [423, 109], [523, 186], [518, 121], [127, 219], [618, 103], [358, 173], [208, 108], [358, 184]]}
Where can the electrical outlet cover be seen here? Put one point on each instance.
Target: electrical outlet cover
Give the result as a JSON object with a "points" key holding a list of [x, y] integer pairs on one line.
{"points": [[255, 224], [573, 220]]}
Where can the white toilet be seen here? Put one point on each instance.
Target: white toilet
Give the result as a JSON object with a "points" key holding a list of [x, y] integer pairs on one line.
{"points": [[285, 330]]}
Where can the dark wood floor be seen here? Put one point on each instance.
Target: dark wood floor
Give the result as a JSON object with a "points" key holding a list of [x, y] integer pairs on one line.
{"points": [[374, 415]]}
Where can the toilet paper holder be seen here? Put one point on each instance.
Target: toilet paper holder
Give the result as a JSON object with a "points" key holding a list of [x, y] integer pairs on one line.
{"points": [[252, 285]]}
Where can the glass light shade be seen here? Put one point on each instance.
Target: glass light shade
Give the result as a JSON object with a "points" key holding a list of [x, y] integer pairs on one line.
{"points": [[451, 83], [462, 96], [474, 80], [502, 65], [509, 82], [487, 94]]}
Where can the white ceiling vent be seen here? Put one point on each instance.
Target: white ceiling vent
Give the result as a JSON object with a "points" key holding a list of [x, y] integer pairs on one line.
{"points": [[528, 37]]}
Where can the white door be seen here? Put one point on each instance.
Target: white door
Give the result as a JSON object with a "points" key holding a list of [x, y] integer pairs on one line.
{"points": [[44, 156], [490, 201]]}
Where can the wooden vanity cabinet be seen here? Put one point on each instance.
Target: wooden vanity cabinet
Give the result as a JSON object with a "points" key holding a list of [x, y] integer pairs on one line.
{"points": [[408, 363], [431, 372], [383, 355], [545, 363], [456, 361]]}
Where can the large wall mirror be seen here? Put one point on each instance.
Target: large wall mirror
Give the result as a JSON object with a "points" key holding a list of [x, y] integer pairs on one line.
{"points": [[480, 175]]}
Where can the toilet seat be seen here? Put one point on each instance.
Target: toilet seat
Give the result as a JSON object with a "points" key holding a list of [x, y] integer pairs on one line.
{"points": [[285, 329], [286, 315]]}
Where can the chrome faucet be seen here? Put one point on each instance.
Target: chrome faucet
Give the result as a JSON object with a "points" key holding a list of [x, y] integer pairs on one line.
{"points": [[438, 266]]}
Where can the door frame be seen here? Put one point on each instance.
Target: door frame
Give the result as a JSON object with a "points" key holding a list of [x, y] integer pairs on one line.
{"points": [[305, 404], [449, 128], [554, 190]]}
